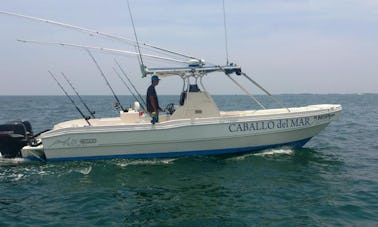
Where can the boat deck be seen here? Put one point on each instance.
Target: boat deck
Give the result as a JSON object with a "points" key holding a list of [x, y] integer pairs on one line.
{"points": [[136, 118]]}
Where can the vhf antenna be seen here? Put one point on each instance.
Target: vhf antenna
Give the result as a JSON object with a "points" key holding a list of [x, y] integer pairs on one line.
{"points": [[142, 66], [225, 31]]}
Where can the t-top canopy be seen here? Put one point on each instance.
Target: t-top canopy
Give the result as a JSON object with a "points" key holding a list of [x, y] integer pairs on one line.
{"points": [[188, 71]]}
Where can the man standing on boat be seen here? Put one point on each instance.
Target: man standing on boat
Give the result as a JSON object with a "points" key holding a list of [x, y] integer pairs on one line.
{"points": [[152, 100]]}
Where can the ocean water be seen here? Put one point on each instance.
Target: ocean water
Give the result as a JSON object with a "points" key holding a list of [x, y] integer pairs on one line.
{"points": [[333, 180]]}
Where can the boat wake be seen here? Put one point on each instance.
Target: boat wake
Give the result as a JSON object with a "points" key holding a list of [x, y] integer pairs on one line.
{"points": [[15, 169], [12, 161]]}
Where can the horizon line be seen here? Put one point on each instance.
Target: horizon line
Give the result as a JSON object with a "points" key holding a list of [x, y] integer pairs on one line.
{"points": [[305, 93]]}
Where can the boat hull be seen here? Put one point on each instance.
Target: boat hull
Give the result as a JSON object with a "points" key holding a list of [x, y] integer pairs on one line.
{"points": [[213, 136]]}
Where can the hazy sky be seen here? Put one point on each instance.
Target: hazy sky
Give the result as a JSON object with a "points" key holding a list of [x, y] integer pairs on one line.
{"points": [[288, 46]]}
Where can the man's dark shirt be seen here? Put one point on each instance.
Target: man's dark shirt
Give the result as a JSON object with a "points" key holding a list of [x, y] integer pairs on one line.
{"points": [[151, 92]]}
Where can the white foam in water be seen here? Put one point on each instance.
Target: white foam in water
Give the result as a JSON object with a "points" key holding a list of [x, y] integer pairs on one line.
{"points": [[264, 153], [5, 161], [146, 162], [10, 176], [275, 152], [18, 177], [85, 171]]}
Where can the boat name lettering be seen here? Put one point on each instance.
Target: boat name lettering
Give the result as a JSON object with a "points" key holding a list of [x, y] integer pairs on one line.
{"points": [[72, 142], [86, 141], [324, 116], [269, 125]]}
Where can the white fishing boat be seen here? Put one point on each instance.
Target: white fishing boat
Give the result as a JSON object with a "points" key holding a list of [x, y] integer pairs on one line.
{"points": [[197, 127], [194, 126]]}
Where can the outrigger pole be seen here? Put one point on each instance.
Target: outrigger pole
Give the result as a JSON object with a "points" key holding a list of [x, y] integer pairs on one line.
{"points": [[98, 33], [129, 41], [101, 49], [107, 82], [86, 118], [92, 113]]}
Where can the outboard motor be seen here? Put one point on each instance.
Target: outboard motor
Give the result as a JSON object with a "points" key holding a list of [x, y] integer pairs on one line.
{"points": [[13, 136]]}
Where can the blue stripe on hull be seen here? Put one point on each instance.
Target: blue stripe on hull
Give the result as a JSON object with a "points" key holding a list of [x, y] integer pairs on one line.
{"points": [[294, 144]]}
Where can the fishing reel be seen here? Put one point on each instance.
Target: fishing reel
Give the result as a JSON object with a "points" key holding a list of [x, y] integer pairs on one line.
{"points": [[116, 105]]}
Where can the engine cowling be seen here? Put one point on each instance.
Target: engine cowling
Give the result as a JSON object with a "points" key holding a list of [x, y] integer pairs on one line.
{"points": [[13, 136]]}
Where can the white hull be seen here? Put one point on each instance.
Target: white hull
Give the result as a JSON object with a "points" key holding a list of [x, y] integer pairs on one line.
{"points": [[232, 132]]}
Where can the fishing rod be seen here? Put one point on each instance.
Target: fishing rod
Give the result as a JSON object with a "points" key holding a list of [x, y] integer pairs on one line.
{"points": [[124, 82], [102, 49], [86, 118], [97, 33], [107, 82], [92, 113], [131, 92], [124, 73]]}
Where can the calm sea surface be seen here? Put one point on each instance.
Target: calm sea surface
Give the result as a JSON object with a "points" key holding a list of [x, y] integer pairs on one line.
{"points": [[333, 180]]}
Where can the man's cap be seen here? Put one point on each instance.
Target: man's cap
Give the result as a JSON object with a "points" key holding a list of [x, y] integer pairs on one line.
{"points": [[154, 77]]}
